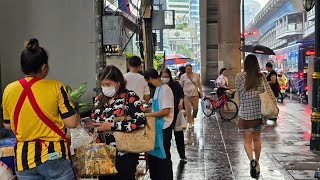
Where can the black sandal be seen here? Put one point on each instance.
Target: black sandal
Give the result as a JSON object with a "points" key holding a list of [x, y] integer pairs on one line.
{"points": [[253, 171]]}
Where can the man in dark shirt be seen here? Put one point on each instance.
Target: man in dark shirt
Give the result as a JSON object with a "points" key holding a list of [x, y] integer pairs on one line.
{"points": [[272, 79]]}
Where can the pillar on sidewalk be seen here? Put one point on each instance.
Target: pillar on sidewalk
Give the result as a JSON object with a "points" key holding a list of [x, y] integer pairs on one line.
{"points": [[204, 38], [315, 116], [229, 38]]}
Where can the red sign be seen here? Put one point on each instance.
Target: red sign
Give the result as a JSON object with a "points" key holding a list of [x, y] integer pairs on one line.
{"points": [[310, 53]]}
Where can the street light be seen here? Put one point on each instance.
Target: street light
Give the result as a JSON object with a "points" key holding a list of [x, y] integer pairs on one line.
{"points": [[308, 4], [315, 115]]}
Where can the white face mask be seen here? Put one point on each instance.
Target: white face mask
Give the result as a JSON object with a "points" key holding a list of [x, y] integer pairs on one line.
{"points": [[109, 91], [165, 80]]}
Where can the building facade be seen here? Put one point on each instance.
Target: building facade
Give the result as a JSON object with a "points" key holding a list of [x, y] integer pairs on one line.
{"points": [[195, 21], [181, 8], [289, 30], [251, 9]]}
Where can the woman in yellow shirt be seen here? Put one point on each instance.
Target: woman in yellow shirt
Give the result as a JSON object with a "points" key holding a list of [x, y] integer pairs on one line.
{"points": [[38, 111]]}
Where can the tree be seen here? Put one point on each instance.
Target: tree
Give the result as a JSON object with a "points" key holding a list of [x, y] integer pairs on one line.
{"points": [[182, 26], [184, 51], [158, 61]]}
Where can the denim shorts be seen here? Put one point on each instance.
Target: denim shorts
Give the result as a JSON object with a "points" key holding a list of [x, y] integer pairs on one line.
{"points": [[59, 169]]}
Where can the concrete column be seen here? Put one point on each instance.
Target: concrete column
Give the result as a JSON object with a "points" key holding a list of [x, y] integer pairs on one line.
{"points": [[229, 38], [203, 42]]}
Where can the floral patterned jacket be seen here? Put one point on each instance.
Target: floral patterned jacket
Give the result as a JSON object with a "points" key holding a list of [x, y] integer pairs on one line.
{"points": [[133, 109]]}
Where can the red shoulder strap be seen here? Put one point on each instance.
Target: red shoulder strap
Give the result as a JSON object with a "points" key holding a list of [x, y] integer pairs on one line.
{"points": [[27, 92]]}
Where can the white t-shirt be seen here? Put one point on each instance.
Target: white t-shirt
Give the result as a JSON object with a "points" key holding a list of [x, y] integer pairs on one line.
{"points": [[223, 80], [137, 83], [166, 101]]}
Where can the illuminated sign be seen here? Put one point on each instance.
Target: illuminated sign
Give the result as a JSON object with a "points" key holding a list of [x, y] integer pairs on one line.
{"points": [[310, 53]]}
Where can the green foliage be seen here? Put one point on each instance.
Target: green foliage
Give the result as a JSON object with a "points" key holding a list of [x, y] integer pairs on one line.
{"points": [[182, 26], [129, 54], [76, 94], [185, 51], [158, 61]]}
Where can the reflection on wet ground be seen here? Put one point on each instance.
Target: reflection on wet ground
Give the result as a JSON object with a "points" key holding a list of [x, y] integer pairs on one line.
{"points": [[215, 151]]}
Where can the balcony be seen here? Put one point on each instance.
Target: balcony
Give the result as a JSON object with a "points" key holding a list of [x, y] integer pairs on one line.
{"points": [[289, 25], [311, 14], [309, 29], [309, 24], [289, 30]]}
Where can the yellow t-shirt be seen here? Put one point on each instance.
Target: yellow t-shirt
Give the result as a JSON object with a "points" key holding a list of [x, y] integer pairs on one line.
{"points": [[53, 100]]}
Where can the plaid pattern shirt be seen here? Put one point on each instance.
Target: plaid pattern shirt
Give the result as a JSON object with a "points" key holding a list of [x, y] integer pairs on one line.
{"points": [[250, 103]]}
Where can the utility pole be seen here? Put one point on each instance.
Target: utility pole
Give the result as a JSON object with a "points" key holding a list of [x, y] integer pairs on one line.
{"points": [[315, 116], [148, 45], [243, 30], [161, 32]]}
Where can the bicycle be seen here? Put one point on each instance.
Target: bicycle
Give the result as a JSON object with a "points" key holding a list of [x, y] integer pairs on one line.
{"points": [[228, 109]]}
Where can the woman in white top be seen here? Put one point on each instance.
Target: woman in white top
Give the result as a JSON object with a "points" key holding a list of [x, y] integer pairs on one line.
{"points": [[160, 164], [192, 88], [222, 82]]}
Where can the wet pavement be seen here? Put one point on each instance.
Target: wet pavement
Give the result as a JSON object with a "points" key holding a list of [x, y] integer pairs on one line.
{"points": [[215, 151]]}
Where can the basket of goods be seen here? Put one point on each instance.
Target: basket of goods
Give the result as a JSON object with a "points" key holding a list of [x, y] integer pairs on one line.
{"points": [[96, 159]]}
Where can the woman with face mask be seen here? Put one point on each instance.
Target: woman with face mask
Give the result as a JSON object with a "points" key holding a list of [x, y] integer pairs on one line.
{"points": [[159, 159], [178, 95], [117, 101]]}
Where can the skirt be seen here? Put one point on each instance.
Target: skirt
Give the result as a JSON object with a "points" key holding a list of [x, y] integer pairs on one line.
{"points": [[251, 125]]}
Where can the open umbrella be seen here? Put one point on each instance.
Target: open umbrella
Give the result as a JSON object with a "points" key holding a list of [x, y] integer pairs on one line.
{"points": [[258, 49], [176, 59]]}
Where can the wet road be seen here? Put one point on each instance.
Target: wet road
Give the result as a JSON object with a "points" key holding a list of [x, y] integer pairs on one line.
{"points": [[215, 151]]}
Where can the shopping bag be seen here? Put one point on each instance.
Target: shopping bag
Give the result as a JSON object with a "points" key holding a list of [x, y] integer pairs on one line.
{"points": [[181, 123], [138, 141], [95, 159], [80, 137], [269, 108]]}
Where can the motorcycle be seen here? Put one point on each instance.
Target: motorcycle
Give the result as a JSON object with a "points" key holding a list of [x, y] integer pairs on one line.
{"points": [[282, 93], [304, 95]]}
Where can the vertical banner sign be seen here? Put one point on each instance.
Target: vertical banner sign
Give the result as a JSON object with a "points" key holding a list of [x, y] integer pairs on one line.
{"points": [[124, 6]]}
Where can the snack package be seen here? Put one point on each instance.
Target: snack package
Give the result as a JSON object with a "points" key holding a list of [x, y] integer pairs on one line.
{"points": [[80, 137], [5, 172], [7, 157], [95, 160]]}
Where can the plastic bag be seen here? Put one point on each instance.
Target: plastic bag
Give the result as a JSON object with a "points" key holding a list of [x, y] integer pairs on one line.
{"points": [[95, 159], [80, 137], [181, 123], [5, 172]]}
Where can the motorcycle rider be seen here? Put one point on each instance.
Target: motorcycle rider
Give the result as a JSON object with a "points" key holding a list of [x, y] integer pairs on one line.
{"points": [[282, 79]]}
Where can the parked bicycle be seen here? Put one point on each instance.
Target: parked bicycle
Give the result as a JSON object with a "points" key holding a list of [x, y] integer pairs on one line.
{"points": [[227, 108]]}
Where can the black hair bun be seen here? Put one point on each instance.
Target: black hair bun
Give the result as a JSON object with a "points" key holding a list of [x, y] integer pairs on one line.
{"points": [[32, 44]]}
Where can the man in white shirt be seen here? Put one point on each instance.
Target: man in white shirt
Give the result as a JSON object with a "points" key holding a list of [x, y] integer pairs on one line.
{"points": [[135, 81]]}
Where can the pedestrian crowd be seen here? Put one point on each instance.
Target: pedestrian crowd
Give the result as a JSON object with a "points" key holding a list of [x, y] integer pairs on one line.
{"points": [[39, 112]]}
